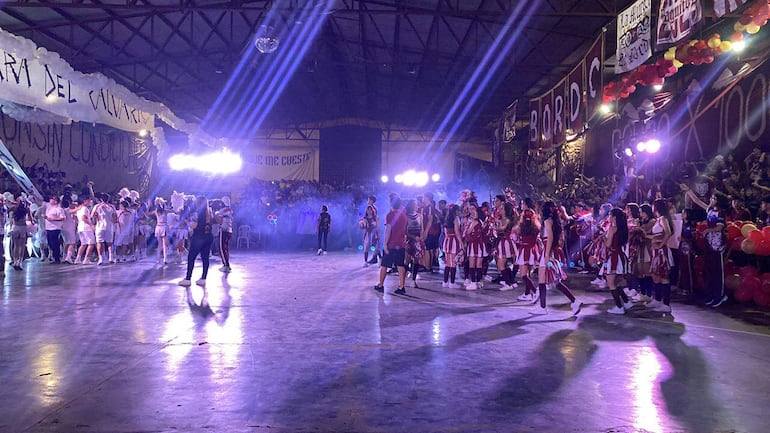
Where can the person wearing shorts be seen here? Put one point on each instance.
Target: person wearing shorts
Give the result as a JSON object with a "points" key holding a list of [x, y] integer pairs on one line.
{"points": [[85, 231], [394, 246]]}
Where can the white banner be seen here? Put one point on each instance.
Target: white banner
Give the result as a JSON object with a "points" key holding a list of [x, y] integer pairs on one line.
{"points": [[35, 77], [723, 7], [299, 163], [676, 20], [634, 36]]}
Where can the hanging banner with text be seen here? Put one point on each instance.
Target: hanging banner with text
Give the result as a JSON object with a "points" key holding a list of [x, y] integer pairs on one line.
{"points": [[35, 77], [561, 111], [723, 7], [112, 161], [634, 36], [291, 164], [677, 20]]}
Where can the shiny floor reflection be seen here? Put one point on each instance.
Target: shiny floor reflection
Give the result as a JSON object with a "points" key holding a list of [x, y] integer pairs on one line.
{"points": [[297, 342]]}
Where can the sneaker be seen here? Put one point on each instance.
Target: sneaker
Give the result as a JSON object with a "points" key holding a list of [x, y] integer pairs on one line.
{"points": [[366, 265], [720, 301], [400, 291], [514, 285], [662, 308], [576, 306], [228, 269], [653, 303], [444, 285], [601, 284], [320, 251], [536, 296], [596, 281], [487, 278], [525, 297], [538, 310], [630, 292], [472, 286], [467, 281], [185, 283], [324, 252], [453, 286], [223, 269], [616, 310], [639, 298], [201, 282], [379, 288], [505, 287], [628, 305]]}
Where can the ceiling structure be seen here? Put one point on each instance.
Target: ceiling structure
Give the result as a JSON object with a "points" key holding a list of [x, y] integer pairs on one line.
{"points": [[423, 64]]}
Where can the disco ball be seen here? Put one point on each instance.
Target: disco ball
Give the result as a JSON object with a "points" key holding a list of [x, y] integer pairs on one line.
{"points": [[266, 41]]}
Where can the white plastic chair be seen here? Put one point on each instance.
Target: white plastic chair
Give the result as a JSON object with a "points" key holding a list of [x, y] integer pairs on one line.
{"points": [[244, 236]]}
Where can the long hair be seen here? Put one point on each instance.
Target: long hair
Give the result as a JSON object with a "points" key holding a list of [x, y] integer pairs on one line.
{"points": [[529, 225], [451, 215], [646, 211], [634, 210], [550, 211], [661, 207], [21, 210], [622, 225]]}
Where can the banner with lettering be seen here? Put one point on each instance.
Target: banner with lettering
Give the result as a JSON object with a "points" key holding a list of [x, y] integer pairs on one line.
{"points": [[295, 163], [575, 105], [112, 161], [509, 122], [634, 45], [534, 123], [723, 7], [559, 112], [594, 62], [546, 120], [35, 77], [677, 19]]}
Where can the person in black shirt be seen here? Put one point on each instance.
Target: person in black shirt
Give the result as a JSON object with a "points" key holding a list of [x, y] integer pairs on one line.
{"points": [[324, 224], [201, 219]]}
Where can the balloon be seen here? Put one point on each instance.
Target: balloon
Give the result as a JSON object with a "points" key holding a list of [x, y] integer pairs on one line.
{"points": [[733, 282], [756, 236], [765, 285], [714, 42], [735, 244], [725, 46], [748, 246], [766, 232], [746, 229], [751, 283], [730, 267], [761, 298], [746, 19], [752, 29], [758, 20], [733, 232], [748, 271], [737, 36], [669, 55], [743, 294], [763, 248], [738, 27]]}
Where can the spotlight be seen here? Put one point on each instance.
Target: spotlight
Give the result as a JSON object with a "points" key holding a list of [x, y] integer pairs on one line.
{"points": [[410, 178], [222, 162], [658, 87], [421, 179], [435, 177], [605, 108], [398, 178], [384, 179], [629, 152], [738, 46], [653, 146], [641, 146], [143, 133]]}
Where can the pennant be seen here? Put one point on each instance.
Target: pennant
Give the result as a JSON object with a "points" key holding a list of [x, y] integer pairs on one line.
{"points": [[634, 45]]}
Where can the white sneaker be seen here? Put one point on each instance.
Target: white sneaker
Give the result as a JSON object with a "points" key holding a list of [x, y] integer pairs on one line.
{"points": [[453, 286], [445, 285], [480, 284], [539, 310], [472, 286], [201, 282], [223, 269], [536, 296], [628, 305], [576, 306], [505, 287], [662, 308], [514, 285], [630, 292], [467, 281], [525, 297], [184, 283], [324, 252], [616, 310], [639, 298], [487, 278], [601, 284], [320, 251], [653, 303], [596, 281]]}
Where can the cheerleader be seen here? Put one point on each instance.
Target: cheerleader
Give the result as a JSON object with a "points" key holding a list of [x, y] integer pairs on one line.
{"points": [[597, 250], [506, 248], [475, 246], [660, 266], [528, 255], [369, 224], [549, 269], [633, 248], [644, 255], [452, 247], [161, 229], [617, 260]]}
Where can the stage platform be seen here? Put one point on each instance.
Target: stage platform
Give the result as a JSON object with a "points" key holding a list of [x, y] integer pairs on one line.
{"points": [[294, 342]]}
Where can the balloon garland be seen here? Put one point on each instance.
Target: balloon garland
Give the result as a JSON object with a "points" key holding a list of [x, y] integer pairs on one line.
{"points": [[693, 52]]}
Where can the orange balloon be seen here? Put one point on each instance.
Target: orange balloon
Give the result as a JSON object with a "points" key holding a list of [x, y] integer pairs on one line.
{"points": [[748, 246]]}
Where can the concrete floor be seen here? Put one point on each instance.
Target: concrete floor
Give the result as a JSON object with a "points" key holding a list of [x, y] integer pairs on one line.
{"points": [[300, 343]]}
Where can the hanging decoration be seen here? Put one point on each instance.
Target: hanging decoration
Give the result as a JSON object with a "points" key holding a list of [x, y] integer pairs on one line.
{"points": [[693, 52]]}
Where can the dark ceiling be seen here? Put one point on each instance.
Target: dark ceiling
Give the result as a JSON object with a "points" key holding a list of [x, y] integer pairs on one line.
{"points": [[429, 64]]}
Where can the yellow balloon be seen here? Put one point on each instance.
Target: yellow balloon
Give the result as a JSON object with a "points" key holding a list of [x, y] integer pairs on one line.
{"points": [[739, 27], [678, 64], [714, 42], [752, 29], [725, 46], [745, 230], [693, 42], [669, 55]]}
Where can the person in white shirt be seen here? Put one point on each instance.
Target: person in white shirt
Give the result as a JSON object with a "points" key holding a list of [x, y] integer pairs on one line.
{"points": [[69, 228], [124, 236], [54, 217], [104, 217], [85, 231]]}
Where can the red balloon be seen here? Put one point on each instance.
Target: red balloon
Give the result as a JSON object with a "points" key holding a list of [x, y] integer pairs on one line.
{"points": [[756, 236], [765, 286], [763, 248], [761, 298], [734, 232], [733, 282], [748, 271], [735, 244], [751, 283], [766, 232], [731, 268], [743, 295]]}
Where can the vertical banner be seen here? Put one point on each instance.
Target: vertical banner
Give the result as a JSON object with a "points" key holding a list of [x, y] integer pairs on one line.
{"points": [[509, 122], [575, 107], [534, 123], [634, 36], [559, 113], [723, 7], [546, 120], [677, 20], [594, 82]]}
